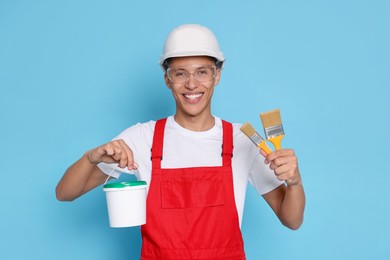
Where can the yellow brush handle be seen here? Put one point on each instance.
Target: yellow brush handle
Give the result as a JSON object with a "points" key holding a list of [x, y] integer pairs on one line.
{"points": [[265, 147], [276, 141]]}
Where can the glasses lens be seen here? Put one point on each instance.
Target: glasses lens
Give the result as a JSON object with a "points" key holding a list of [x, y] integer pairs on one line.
{"points": [[178, 75], [201, 74], [204, 74]]}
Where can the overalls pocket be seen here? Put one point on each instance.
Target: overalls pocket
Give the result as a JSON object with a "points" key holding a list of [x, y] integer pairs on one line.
{"points": [[191, 194]]}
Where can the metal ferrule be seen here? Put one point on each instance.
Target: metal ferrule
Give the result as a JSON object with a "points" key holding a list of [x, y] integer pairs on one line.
{"points": [[256, 138], [274, 131]]}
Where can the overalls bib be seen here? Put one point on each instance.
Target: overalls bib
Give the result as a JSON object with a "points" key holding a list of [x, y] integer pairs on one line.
{"points": [[191, 212]]}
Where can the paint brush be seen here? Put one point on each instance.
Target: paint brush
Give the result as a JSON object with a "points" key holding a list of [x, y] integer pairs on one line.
{"points": [[255, 137], [273, 127]]}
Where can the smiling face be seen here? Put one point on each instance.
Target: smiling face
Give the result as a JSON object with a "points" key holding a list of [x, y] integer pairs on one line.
{"points": [[192, 97]]}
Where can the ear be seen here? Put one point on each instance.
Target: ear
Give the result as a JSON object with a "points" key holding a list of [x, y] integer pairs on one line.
{"points": [[217, 77], [167, 81]]}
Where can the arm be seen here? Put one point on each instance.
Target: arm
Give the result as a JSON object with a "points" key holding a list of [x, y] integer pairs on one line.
{"points": [[287, 201], [84, 174]]}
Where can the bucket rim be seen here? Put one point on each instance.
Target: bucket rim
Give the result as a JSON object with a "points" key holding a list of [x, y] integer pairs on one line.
{"points": [[124, 184]]}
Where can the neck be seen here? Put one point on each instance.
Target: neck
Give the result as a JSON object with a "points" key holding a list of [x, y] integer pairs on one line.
{"points": [[195, 123]]}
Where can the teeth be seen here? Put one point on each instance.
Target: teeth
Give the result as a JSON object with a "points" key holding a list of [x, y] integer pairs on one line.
{"points": [[193, 96]]}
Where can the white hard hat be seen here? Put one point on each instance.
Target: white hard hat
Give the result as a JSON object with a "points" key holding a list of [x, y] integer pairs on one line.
{"points": [[191, 40]]}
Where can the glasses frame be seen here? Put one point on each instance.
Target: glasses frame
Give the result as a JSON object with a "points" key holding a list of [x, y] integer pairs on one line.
{"points": [[192, 73]]}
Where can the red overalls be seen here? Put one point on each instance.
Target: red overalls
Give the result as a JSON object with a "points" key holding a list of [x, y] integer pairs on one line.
{"points": [[191, 212]]}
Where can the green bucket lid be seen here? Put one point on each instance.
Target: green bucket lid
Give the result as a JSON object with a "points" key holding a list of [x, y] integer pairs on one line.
{"points": [[124, 184]]}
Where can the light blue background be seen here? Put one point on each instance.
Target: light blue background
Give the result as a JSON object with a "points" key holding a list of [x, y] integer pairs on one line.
{"points": [[73, 74]]}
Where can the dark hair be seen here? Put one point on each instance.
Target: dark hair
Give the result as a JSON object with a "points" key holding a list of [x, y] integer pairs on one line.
{"points": [[218, 63]]}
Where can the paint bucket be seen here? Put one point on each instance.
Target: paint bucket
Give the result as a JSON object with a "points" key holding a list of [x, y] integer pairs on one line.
{"points": [[126, 203]]}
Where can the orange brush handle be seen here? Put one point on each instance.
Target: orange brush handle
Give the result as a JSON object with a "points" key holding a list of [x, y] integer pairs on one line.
{"points": [[276, 141], [265, 147]]}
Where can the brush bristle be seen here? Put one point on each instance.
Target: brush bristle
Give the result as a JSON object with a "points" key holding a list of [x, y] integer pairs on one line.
{"points": [[248, 129], [271, 118]]}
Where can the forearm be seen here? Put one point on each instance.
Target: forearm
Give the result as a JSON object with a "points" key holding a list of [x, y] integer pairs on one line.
{"points": [[293, 206], [78, 179]]}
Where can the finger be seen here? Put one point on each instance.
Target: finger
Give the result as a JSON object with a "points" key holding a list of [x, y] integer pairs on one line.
{"points": [[111, 153], [123, 160], [282, 161], [119, 154], [280, 153], [282, 170], [263, 153], [283, 177], [108, 149], [128, 153], [269, 157], [99, 154], [288, 172], [289, 178]]}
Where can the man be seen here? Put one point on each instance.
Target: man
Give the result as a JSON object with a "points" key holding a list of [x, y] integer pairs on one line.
{"points": [[197, 165]]}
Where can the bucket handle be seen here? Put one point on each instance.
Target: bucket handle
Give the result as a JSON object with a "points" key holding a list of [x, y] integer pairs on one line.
{"points": [[109, 175]]}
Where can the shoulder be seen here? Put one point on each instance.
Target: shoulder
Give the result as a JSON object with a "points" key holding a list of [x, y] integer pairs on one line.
{"points": [[140, 127], [237, 133], [137, 131], [240, 139]]}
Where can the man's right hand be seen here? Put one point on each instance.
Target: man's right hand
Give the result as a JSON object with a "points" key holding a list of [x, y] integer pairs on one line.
{"points": [[84, 175], [116, 151]]}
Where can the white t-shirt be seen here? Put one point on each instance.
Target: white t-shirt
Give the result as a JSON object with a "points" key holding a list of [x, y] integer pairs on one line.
{"points": [[184, 148]]}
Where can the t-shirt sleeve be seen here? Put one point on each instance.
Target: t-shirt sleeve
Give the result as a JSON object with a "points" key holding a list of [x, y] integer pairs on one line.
{"points": [[130, 136], [261, 177]]}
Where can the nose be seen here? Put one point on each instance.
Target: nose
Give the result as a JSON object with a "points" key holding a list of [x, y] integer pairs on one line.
{"points": [[191, 82]]}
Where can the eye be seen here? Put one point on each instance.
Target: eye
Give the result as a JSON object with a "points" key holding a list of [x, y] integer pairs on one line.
{"points": [[179, 74], [203, 72]]}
